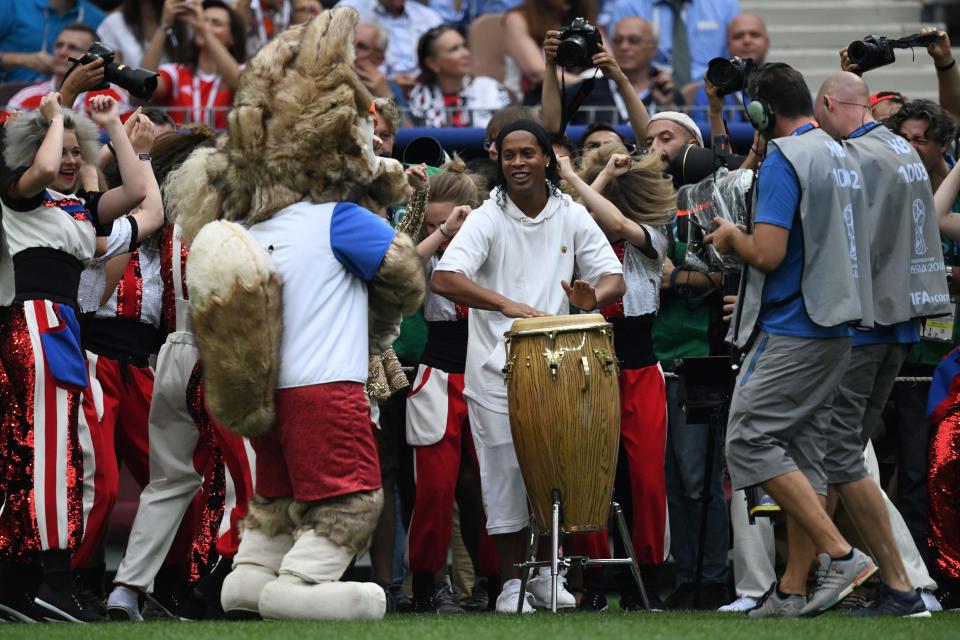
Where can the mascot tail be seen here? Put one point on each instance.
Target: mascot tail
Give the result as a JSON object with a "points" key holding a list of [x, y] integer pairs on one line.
{"points": [[235, 293]]}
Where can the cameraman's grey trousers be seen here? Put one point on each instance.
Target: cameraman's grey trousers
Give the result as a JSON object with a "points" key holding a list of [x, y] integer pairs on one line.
{"points": [[781, 408]]}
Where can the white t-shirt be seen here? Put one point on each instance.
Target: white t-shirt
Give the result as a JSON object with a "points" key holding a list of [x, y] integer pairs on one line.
{"points": [[115, 33], [325, 254], [524, 259], [643, 275], [93, 280], [436, 308]]}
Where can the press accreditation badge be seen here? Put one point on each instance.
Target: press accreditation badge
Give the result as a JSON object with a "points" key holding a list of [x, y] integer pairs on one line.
{"points": [[940, 329]]}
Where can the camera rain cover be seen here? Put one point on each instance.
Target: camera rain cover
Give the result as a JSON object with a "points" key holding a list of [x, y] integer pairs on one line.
{"points": [[722, 195]]}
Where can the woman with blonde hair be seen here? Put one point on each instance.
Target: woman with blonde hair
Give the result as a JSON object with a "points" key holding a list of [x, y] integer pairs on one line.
{"points": [[437, 426], [50, 226], [630, 198]]}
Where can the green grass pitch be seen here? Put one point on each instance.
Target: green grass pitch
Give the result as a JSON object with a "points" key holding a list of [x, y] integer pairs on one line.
{"points": [[540, 626]]}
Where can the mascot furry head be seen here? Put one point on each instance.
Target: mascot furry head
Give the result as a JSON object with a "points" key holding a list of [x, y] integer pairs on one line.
{"points": [[301, 129]]}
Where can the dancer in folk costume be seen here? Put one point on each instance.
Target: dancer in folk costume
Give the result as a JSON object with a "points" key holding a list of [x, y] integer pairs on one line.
{"points": [[50, 230], [188, 450], [299, 172]]}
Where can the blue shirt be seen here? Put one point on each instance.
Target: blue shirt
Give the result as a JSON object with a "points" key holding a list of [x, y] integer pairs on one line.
{"points": [[901, 333], [30, 26], [778, 203], [470, 9], [404, 31], [701, 111], [706, 21]]}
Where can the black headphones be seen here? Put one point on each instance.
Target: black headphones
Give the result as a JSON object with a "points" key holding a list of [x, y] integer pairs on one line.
{"points": [[759, 112]]}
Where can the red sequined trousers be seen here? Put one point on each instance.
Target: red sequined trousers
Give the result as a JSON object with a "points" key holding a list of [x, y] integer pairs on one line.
{"points": [[42, 462], [943, 485], [114, 420]]}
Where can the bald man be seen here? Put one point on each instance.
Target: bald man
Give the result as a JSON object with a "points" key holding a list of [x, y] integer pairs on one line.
{"points": [[900, 241], [746, 38]]}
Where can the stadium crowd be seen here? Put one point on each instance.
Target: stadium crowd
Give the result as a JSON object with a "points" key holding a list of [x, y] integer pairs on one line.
{"points": [[445, 542]]}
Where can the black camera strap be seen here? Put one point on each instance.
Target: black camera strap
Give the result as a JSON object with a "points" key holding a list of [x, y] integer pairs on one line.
{"points": [[569, 109]]}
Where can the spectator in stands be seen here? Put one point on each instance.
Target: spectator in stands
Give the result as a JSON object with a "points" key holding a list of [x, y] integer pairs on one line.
{"points": [[302, 10], [458, 13], [129, 31], [689, 45], [634, 46], [883, 104], [446, 95], [526, 26], [29, 29], [405, 23], [746, 38], [202, 88], [370, 45], [72, 42]]}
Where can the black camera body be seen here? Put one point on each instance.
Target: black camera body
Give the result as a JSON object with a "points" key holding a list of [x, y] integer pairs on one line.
{"points": [[140, 83], [578, 44], [877, 51], [730, 76]]}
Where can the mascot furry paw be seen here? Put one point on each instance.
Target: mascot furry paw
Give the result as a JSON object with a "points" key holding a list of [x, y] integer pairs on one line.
{"points": [[295, 285]]}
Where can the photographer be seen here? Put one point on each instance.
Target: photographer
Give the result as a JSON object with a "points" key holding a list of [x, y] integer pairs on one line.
{"points": [[552, 108], [877, 355], [633, 44], [747, 39], [74, 88], [801, 296], [212, 61], [948, 74]]}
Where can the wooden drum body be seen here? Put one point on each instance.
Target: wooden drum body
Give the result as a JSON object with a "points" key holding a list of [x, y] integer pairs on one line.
{"points": [[564, 400]]}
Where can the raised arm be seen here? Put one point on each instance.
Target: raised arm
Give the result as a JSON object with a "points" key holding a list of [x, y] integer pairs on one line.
{"points": [[636, 111], [119, 201], [227, 66], [948, 74], [611, 220], [445, 231], [46, 164]]}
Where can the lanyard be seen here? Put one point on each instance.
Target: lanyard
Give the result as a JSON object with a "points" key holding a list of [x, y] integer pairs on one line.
{"points": [[281, 25], [197, 113]]}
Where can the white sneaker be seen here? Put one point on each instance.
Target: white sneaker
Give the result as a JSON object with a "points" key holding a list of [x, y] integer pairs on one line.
{"points": [[930, 601], [541, 586], [123, 605], [509, 598], [741, 604]]}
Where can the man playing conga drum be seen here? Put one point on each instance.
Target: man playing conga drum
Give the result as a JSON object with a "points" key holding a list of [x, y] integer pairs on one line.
{"points": [[514, 257]]}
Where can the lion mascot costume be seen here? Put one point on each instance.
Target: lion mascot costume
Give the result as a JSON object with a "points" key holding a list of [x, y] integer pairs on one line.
{"points": [[295, 285]]}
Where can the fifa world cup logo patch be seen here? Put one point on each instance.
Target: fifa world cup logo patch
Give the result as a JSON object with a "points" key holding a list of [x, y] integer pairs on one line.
{"points": [[919, 215]]}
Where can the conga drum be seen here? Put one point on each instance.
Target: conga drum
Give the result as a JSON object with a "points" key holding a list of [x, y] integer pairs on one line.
{"points": [[564, 401]]}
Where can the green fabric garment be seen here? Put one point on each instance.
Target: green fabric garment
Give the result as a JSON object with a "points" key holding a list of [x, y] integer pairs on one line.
{"points": [[680, 329], [413, 337]]}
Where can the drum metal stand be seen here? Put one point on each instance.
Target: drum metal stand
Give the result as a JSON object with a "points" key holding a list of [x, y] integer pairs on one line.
{"points": [[556, 562]]}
